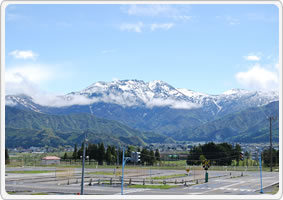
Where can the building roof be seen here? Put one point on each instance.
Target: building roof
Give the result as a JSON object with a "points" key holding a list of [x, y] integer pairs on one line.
{"points": [[51, 158]]}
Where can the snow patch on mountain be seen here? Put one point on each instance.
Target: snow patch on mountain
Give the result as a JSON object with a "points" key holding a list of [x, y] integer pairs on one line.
{"points": [[137, 93]]}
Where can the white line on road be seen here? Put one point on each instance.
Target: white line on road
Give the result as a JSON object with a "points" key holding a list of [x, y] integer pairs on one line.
{"points": [[225, 187], [132, 191]]}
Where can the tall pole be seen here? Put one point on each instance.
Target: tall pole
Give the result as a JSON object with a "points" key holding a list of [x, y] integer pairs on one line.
{"points": [[118, 155], [261, 191], [123, 164], [83, 167], [270, 130]]}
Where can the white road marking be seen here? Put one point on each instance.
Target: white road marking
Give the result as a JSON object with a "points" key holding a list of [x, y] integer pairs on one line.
{"points": [[132, 191], [225, 187]]}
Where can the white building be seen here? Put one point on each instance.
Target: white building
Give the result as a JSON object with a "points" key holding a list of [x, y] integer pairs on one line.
{"points": [[49, 160]]}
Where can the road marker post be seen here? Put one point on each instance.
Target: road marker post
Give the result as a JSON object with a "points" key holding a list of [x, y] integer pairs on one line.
{"points": [[206, 176]]}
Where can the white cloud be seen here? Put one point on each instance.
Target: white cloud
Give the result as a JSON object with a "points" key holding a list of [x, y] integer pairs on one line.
{"points": [[258, 78], [170, 11], [23, 54], [132, 27], [13, 16], [232, 21], [32, 73], [252, 57], [148, 10], [182, 17], [107, 51], [26, 79], [172, 103], [167, 26], [277, 66]]}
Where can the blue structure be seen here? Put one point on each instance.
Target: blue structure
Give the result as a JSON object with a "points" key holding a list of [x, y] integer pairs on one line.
{"points": [[124, 160]]}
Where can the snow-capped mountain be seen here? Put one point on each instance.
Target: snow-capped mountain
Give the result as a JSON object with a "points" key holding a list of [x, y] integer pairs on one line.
{"points": [[147, 106], [130, 92], [137, 93]]}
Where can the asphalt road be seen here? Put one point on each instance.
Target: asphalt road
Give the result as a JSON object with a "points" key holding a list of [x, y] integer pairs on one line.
{"points": [[220, 182]]}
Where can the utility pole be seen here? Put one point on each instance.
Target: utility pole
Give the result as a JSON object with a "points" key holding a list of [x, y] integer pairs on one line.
{"points": [[261, 191], [270, 131], [83, 166], [118, 156], [123, 164]]}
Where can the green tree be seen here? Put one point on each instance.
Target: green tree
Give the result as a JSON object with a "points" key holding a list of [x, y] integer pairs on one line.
{"points": [[80, 152], [144, 156], [108, 156], [100, 154], [193, 157], [237, 153], [151, 157], [157, 155], [266, 157], [93, 151], [7, 158], [65, 156], [202, 158], [247, 155], [75, 153]]}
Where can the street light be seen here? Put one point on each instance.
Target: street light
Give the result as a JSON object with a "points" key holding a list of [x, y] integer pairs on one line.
{"points": [[83, 166], [124, 160], [260, 167]]}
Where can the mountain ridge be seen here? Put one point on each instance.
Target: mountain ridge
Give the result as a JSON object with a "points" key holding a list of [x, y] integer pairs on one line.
{"points": [[154, 106]]}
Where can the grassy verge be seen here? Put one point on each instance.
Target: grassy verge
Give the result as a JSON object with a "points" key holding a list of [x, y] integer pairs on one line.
{"points": [[11, 192], [275, 189], [33, 171], [41, 193], [153, 186], [169, 176], [105, 173]]}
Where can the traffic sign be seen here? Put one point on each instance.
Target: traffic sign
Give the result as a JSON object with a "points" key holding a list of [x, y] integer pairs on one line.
{"points": [[188, 170], [206, 164]]}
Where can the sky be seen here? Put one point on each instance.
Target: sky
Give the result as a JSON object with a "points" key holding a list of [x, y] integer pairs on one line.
{"points": [[206, 48]]}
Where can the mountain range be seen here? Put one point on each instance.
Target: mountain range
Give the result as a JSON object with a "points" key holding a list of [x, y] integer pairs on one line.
{"points": [[162, 110]]}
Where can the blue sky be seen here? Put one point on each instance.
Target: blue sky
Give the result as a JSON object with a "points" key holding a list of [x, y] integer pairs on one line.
{"points": [[206, 48]]}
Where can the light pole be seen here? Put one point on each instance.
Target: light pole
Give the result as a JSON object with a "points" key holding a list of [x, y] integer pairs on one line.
{"points": [[83, 166], [124, 160]]}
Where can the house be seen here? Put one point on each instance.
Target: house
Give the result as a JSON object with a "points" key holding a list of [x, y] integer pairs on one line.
{"points": [[49, 160]]}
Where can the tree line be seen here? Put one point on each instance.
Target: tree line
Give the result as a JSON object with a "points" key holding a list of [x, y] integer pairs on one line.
{"points": [[111, 155], [218, 154], [266, 157]]}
